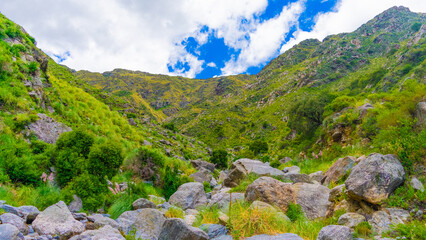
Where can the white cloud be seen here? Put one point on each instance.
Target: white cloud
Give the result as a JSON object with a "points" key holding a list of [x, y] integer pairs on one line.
{"points": [[211, 64], [348, 15], [265, 40], [101, 35]]}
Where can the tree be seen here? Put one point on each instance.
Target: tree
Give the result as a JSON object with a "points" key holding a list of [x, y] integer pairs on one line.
{"points": [[220, 158], [105, 160], [258, 147]]}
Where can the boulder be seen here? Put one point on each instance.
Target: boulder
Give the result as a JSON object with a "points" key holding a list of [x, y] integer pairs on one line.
{"points": [[57, 220], [375, 178], [143, 203], [381, 221], [351, 219], [349, 205], [202, 175], [316, 176], [262, 205], [105, 233], [104, 221], [47, 129], [189, 195], [221, 200], [223, 237], [285, 236], [243, 167], [95, 217], [222, 175], [421, 114], [156, 199], [146, 222], [10, 232], [177, 229], [76, 205], [338, 170], [292, 169], [28, 213], [285, 160], [214, 230], [416, 184], [272, 191], [313, 198], [335, 232], [9, 218], [364, 109], [200, 164], [297, 177], [190, 219]]}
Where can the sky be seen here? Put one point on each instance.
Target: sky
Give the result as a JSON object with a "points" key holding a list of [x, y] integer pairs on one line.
{"points": [[190, 38]]}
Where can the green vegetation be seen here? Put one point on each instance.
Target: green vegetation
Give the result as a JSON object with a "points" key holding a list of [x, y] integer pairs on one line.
{"points": [[219, 158], [414, 230]]}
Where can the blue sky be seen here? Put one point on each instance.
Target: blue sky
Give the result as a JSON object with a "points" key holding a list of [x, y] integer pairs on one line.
{"points": [[190, 38], [215, 53]]}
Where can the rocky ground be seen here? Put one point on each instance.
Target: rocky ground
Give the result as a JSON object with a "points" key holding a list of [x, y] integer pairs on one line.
{"points": [[370, 181]]}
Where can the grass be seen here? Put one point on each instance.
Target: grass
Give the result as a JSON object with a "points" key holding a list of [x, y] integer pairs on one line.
{"points": [[121, 204], [363, 230], [40, 197], [175, 212], [414, 230], [242, 186], [207, 215]]}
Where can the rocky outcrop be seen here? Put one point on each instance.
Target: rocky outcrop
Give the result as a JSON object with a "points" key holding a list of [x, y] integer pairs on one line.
{"points": [[339, 169], [313, 198], [76, 205], [57, 220], [104, 233], [350, 219], [243, 167], [374, 178], [9, 218], [143, 203], [177, 229], [189, 195], [47, 129], [271, 191], [335, 232]]}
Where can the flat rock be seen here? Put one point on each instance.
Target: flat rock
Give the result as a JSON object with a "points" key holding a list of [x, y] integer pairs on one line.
{"points": [[189, 195], [143, 203], [335, 232], [10, 232], [105, 233], [285, 236], [292, 169], [375, 178], [351, 219], [57, 220], [271, 191], [339, 169], [10, 218], [177, 229], [313, 198], [245, 166]]}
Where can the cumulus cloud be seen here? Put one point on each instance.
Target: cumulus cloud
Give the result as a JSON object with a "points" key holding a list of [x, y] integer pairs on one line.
{"points": [[347, 16], [100, 35]]}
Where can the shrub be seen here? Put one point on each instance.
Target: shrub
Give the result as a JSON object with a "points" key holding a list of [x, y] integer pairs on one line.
{"points": [[151, 156], [171, 126], [219, 158], [68, 165], [105, 159], [171, 181], [295, 212], [414, 230], [32, 67], [122, 203], [23, 170], [258, 147], [207, 215], [77, 141], [207, 187], [90, 189], [363, 230]]}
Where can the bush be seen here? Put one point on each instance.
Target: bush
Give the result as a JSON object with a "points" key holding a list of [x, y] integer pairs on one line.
{"points": [[414, 230], [23, 170], [171, 126], [68, 166], [78, 141], [171, 181], [90, 189], [219, 158], [105, 159], [32, 67], [258, 147], [151, 156]]}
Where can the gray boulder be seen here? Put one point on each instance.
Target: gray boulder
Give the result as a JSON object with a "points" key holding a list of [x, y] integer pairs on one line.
{"points": [[147, 222], [177, 229], [143, 203], [127, 219], [28, 213], [416, 184], [14, 220], [351, 219], [421, 114], [297, 177], [10, 232], [189, 195], [336, 192], [104, 221], [364, 109], [221, 199], [381, 221], [313, 198], [243, 167], [214, 230], [292, 169], [200, 164], [375, 178], [285, 236], [339, 169], [57, 220], [335, 232], [104, 233], [316, 176], [76, 205], [202, 175], [271, 191]]}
